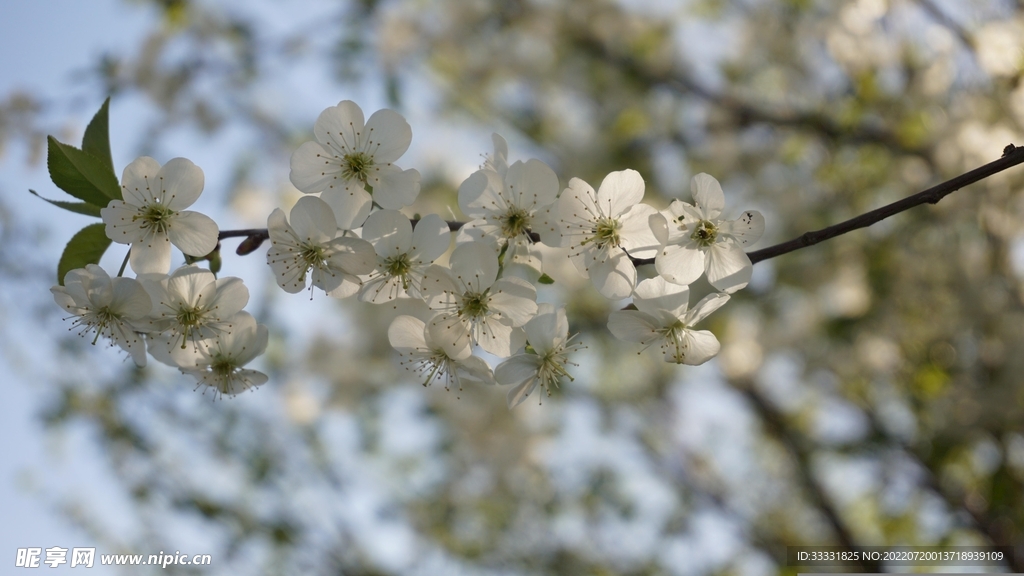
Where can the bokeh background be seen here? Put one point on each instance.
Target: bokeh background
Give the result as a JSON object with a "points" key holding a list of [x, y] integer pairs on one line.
{"points": [[869, 389]]}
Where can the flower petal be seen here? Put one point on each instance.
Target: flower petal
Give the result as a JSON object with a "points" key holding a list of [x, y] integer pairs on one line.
{"points": [[387, 136], [181, 183], [698, 346], [138, 181], [613, 275], [705, 307], [481, 194], [314, 167], [633, 326], [389, 231], [548, 329], [747, 229], [430, 239], [406, 334], [531, 185], [655, 295], [619, 192], [313, 220], [341, 127], [474, 265], [151, 255], [707, 195], [517, 369], [729, 268], [450, 332], [514, 299], [636, 235], [130, 299], [496, 337], [680, 264], [394, 188], [351, 205], [193, 233]]}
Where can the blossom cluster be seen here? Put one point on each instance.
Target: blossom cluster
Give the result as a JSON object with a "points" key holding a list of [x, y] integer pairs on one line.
{"points": [[186, 318], [348, 237]]}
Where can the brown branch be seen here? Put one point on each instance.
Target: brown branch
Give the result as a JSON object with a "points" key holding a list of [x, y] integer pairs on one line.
{"points": [[1012, 156]]}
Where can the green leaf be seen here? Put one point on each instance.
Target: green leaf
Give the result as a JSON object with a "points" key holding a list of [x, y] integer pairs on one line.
{"points": [[97, 137], [86, 247], [76, 207], [545, 279], [81, 174]]}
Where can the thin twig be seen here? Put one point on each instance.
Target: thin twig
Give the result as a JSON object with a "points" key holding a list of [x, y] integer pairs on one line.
{"points": [[1012, 156]]}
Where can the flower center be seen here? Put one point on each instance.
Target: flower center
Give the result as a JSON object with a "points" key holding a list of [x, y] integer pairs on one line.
{"points": [[222, 366], [607, 232], [515, 222], [156, 218], [397, 265], [312, 255], [356, 166], [705, 233], [474, 305], [674, 337]]}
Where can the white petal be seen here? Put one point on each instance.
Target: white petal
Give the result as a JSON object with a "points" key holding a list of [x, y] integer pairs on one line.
{"points": [[406, 334], [394, 188], [680, 264], [517, 369], [120, 226], [637, 237], [181, 182], [729, 268], [654, 295], [313, 220], [314, 167], [451, 333], [350, 205], [699, 346], [633, 326], [476, 370], [705, 307], [659, 227], [614, 276], [341, 126], [620, 191], [231, 297], [481, 194], [548, 329], [474, 265], [430, 239], [747, 229], [151, 255], [531, 185], [351, 255], [707, 195], [389, 231], [130, 298], [193, 233], [514, 298], [138, 181], [519, 393], [496, 337], [387, 136]]}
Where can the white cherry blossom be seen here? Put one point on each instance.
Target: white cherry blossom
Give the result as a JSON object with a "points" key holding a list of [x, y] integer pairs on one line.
{"points": [[309, 241], [403, 253], [504, 202], [423, 354], [662, 318], [219, 361], [603, 229], [108, 306], [474, 307], [349, 155], [694, 239], [543, 362], [152, 215], [191, 304]]}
